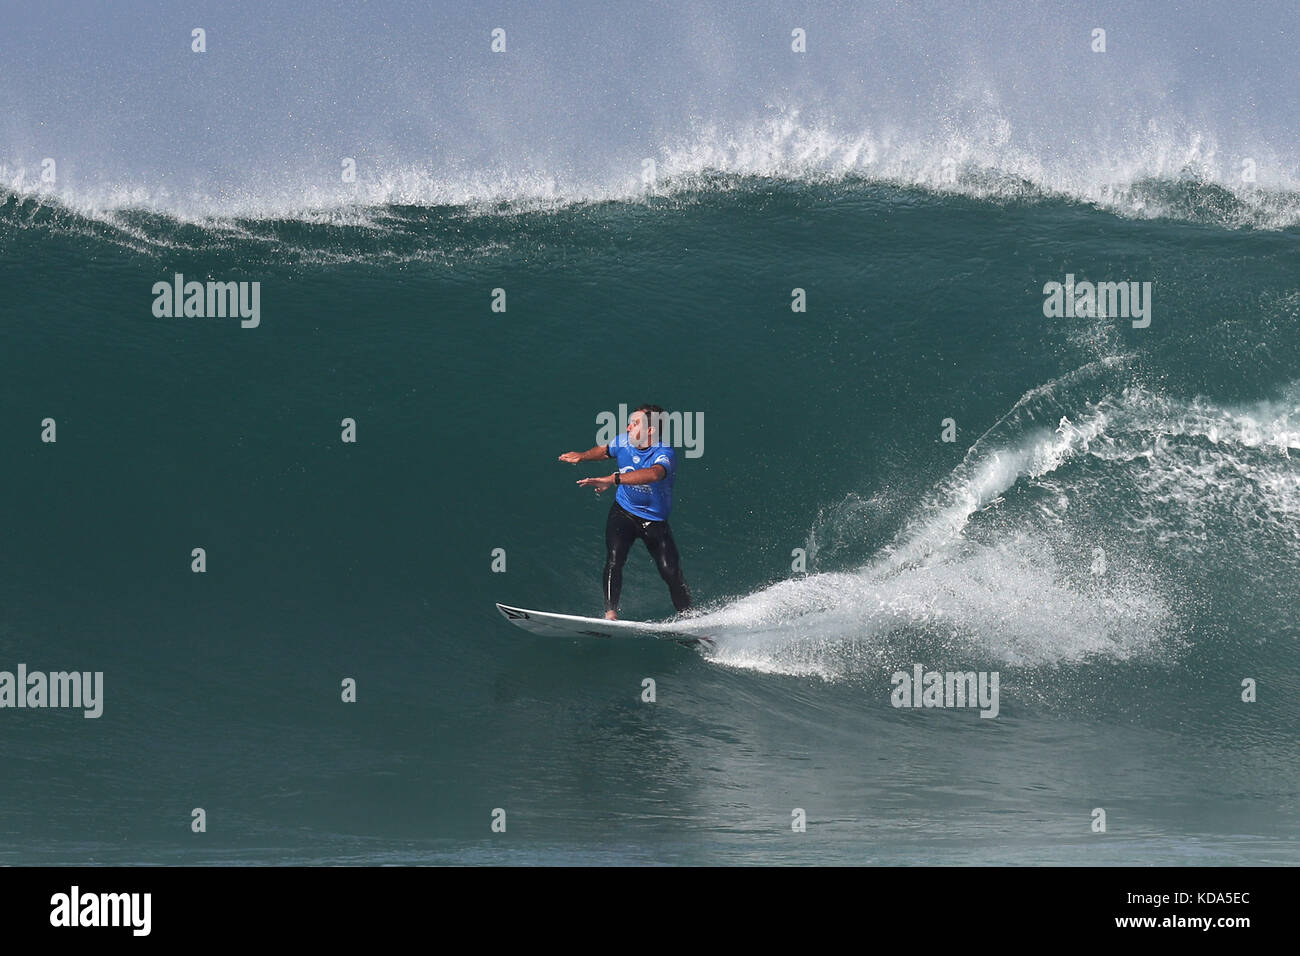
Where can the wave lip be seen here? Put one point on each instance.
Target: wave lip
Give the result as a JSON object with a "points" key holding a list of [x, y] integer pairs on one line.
{"points": [[1170, 172]]}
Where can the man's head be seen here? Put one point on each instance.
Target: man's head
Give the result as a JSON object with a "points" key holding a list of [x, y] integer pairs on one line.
{"points": [[643, 425]]}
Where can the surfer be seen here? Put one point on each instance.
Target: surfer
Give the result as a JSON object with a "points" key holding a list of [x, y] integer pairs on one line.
{"points": [[646, 470]]}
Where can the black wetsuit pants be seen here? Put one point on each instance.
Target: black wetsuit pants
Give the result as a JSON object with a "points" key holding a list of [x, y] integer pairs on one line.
{"points": [[621, 531]]}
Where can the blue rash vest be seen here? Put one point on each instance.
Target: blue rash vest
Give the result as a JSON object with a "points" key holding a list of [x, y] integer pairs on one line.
{"points": [[654, 501]]}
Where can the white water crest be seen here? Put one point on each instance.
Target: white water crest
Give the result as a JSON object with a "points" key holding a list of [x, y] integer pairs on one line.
{"points": [[1060, 567], [1180, 113]]}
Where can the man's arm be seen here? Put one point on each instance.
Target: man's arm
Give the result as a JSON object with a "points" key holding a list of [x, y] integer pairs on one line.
{"points": [[591, 454], [642, 476]]}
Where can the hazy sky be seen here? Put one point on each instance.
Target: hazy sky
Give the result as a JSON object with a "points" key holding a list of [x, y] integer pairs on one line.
{"points": [[586, 89]]}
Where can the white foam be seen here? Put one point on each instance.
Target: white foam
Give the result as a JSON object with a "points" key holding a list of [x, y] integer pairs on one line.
{"points": [[1004, 595], [982, 158], [1009, 604]]}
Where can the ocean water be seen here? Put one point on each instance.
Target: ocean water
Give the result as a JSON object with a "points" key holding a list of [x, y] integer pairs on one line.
{"points": [[1113, 530], [1105, 516]]}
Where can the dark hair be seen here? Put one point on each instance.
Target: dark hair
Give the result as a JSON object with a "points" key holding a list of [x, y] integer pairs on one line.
{"points": [[654, 416]]}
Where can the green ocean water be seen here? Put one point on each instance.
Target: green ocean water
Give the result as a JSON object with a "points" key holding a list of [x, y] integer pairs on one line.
{"points": [[1115, 530]]}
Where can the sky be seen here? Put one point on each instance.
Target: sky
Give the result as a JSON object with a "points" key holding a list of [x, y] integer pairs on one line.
{"points": [[586, 91]]}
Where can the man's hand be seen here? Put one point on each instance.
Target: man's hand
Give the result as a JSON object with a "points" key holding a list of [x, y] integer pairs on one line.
{"points": [[571, 457], [600, 484]]}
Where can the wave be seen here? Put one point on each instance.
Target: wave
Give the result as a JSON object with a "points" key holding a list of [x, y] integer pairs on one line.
{"points": [[1151, 173], [1076, 528]]}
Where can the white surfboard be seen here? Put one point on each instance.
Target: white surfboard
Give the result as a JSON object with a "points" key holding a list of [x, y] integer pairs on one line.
{"points": [[570, 625]]}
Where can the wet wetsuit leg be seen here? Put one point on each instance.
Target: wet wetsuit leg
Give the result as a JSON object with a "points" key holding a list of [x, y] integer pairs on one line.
{"points": [[621, 531], [659, 541]]}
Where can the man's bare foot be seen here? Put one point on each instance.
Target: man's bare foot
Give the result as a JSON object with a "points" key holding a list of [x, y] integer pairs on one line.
{"points": [[611, 615]]}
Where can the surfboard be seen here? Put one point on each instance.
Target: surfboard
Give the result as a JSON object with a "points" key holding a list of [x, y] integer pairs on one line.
{"points": [[550, 624]]}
